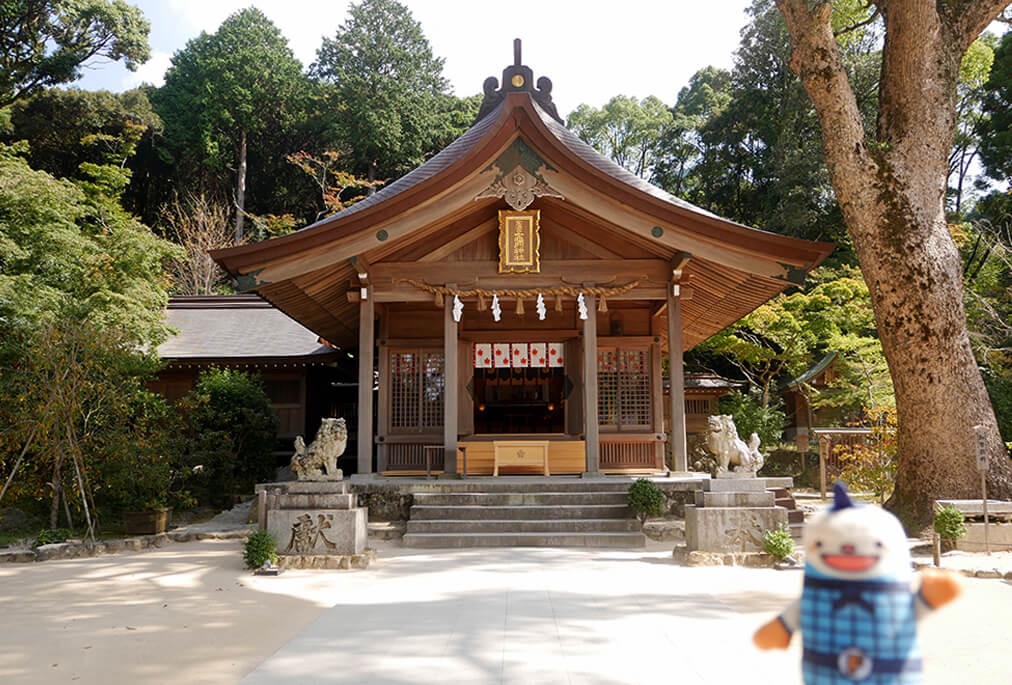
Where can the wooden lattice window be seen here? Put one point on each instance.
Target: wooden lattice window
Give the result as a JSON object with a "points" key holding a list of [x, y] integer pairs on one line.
{"points": [[624, 399], [417, 380], [699, 406]]}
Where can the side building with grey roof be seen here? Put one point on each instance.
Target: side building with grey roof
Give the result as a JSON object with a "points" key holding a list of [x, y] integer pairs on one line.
{"points": [[302, 373]]}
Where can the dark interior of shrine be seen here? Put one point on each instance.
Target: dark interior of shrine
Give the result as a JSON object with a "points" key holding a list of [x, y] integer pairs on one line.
{"points": [[519, 401]]}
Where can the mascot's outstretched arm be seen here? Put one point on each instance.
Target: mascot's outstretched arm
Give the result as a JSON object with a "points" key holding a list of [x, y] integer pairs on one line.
{"points": [[777, 633]]}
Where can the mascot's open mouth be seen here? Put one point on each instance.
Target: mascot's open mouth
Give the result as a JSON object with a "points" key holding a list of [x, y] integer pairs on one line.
{"points": [[852, 563]]}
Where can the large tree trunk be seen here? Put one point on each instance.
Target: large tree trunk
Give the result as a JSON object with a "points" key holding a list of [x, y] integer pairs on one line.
{"points": [[892, 192]]}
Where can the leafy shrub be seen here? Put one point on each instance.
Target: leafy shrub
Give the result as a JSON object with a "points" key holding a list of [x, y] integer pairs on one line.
{"points": [[750, 416], [259, 550], [778, 543], [230, 429], [949, 523], [137, 471], [871, 466], [49, 536], [646, 499]]}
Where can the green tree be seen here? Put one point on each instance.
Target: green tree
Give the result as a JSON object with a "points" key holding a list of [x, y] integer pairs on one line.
{"points": [[238, 90], [627, 131], [996, 128], [683, 147], [386, 89], [970, 116], [65, 128], [45, 43], [891, 186], [229, 429]]}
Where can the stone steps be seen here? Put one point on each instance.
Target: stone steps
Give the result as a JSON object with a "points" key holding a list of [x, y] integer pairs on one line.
{"points": [[457, 540], [525, 526], [459, 499], [520, 512], [523, 514]]}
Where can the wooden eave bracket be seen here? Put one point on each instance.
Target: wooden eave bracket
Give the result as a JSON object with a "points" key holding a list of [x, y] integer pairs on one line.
{"points": [[362, 268]]}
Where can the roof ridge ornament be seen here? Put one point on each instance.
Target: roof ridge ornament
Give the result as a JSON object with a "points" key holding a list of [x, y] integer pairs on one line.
{"points": [[518, 78]]}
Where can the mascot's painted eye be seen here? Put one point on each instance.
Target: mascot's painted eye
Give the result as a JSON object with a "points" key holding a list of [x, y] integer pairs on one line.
{"points": [[818, 543], [879, 545]]}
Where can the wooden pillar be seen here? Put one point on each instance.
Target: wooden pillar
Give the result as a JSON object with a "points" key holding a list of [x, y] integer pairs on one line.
{"points": [[676, 376], [366, 343], [450, 397], [590, 418]]}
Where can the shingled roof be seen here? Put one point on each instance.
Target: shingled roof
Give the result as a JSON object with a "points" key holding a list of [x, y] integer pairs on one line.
{"points": [[310, 273], [238, 327]]}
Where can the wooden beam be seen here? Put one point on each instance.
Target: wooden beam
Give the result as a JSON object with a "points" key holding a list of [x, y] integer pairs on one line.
{"points": [[604, 272], [676, 379], [366, 341], [450, 397], [678, 265], [590, 428], [362, 267]]}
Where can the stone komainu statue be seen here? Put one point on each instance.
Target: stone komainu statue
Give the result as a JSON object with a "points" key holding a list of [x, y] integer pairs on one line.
{"points": [[319, 460], [722, 439]]}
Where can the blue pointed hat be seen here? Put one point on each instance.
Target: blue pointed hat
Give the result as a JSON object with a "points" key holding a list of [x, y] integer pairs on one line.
{"points": [[841, 499]]}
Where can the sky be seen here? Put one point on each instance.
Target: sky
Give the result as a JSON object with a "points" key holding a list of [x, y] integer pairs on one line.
{"points": [[591, 50]]}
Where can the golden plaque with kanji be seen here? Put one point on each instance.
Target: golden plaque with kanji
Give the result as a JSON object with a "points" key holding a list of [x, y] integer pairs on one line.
{"points": [[519, 241]]}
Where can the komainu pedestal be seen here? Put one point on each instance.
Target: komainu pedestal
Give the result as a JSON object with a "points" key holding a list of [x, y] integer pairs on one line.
{"points": [[314, 524], [731, 515]]}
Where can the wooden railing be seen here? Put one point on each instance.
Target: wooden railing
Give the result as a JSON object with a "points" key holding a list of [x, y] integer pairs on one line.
{"points": [[633, 452]]}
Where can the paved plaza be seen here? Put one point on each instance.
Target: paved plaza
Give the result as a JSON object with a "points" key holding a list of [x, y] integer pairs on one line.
{"points": [[188, 613]]}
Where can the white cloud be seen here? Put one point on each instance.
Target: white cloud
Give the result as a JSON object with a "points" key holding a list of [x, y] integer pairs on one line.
{"points": [[152, 71]]}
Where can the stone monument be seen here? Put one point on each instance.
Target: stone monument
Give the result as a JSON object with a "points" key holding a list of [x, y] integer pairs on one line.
{"points": [[733, 511], [315, 521]]}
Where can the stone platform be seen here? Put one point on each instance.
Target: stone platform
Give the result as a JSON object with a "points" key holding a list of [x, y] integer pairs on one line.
{"points": [[315, 524], [731, 515]]}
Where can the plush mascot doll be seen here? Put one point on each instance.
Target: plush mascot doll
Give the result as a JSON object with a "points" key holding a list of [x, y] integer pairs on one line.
{"points": [[861, 600]]}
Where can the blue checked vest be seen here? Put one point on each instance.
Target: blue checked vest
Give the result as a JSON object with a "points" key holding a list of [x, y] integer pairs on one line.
{"points": [[858, 631]]}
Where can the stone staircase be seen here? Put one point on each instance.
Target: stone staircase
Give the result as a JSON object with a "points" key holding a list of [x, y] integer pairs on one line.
{"points": [[523, 514], [795, 517]]}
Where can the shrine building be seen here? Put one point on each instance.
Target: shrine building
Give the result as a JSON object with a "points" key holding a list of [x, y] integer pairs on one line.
{"points": [[519, 290]]}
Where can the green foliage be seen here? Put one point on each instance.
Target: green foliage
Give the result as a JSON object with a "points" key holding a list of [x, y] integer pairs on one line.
{"points": [[229, 429], [44, 44], [646, 499], [65, 128], [229, 97], [628, 131], [996, 127], [380, 72], [778, 543], [259, 550], [871, 466], [948, 523], [49, 536], [139, 465], [752, 416]]}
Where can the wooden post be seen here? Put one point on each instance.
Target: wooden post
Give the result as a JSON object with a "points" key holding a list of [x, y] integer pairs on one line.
{"points": [[365, 379], [590, 418], [676, 378], [450, 398]]}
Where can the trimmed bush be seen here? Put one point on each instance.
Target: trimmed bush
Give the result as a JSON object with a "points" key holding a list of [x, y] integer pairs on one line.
{"points": [[949, 523], [260, 549], [646, 499], [778, 543]]}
